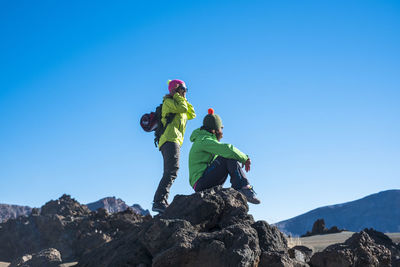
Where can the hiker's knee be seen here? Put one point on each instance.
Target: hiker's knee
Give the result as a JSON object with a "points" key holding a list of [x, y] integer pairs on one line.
{"points": [[232, 161]]}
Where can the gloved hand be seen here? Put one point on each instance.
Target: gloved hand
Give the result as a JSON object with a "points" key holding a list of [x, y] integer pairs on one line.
{"points": [[247, 165]]}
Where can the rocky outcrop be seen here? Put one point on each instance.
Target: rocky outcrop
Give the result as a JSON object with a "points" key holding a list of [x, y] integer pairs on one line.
{"points": [[382, 239], [48, 257], [359, 250], [64, 206], [301, 253], [319, 228], [13, 211], [65, 225], [113, 204], [209, 228]]}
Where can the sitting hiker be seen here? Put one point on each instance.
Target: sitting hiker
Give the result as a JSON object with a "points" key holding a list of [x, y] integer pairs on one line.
{"points": [[210, 161]]}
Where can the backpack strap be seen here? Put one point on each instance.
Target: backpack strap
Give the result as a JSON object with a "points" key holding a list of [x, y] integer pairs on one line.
{"points": [[161, 127]]}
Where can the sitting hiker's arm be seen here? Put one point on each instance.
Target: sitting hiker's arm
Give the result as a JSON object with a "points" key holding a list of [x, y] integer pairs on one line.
{"points": [[224, 150], [176, 105], [190, 113]]}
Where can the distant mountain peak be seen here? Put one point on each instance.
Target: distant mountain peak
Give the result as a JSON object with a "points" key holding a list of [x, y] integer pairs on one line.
{"points": [[65, 205], [113, 204], [13, 211], [379, 211]]}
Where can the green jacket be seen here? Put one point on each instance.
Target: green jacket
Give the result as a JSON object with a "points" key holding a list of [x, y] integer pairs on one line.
{"points": [[205, 149], [176, 129]]}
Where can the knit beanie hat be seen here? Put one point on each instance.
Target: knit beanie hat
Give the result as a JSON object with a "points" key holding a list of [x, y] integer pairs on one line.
{"points": [[212, 121], [172, 84]]}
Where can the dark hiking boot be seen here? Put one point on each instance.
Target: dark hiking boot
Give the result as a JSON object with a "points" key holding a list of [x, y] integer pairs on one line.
{"points": [[159, 207], [250, 194]]}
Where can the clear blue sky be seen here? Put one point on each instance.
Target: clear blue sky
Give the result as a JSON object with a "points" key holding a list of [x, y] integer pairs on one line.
{"points": [[309, 89]]}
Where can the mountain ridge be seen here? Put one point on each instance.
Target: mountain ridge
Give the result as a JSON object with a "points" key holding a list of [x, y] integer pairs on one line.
{"points": [[111, 204], [379, 211]]}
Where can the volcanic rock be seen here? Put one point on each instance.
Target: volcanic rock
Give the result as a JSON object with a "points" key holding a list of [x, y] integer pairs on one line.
{"points": [[359, 250], [65, 225], [300, 253], [382, 239], [48, 257], [320, 229], [209, 228], [64, 206], [111, 204]]}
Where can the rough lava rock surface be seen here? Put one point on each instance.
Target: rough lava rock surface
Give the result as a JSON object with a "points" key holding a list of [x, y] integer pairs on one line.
{"points": [[65, 225], [382, 239], [359, 250], [209, 228], [46, 258]]}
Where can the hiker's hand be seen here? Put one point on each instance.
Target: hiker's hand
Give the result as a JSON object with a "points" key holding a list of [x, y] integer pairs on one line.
{"points": [[182, 93], [247, 165]]}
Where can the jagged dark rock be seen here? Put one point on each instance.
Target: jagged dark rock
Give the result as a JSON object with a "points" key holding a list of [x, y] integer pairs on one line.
{"points": [[209, 228], [359, 250], [270, 238], [48, 257], [279, 259], [319, 228], [64, 206], [382, 239], [111, 204], [65, 225], [301, 253]]}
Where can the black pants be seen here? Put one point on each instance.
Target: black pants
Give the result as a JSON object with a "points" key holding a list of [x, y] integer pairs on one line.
{"points": [[218, 171], [170, 152]]}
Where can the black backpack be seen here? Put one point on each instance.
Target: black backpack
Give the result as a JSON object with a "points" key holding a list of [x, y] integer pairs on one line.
{"points": [[161, 128], [152, 122]]}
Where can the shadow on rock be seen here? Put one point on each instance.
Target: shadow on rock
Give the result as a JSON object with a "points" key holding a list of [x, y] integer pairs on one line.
{"points": [[209, 228]]}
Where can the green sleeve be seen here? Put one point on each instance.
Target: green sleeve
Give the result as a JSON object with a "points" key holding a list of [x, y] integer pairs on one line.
{"points": [[224, 150], [190, 113], [176, 105]]}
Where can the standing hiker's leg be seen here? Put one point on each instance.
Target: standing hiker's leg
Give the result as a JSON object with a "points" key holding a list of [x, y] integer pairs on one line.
{"points": [[215, 174], [170, 152], [238, 177]]}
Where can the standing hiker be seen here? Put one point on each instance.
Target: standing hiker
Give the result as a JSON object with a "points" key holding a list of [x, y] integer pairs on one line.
{"points": [[176, 110], [210, 161]]}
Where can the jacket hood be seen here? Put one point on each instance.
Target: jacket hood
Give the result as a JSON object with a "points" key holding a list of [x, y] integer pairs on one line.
{"points": [[199, 134]]}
